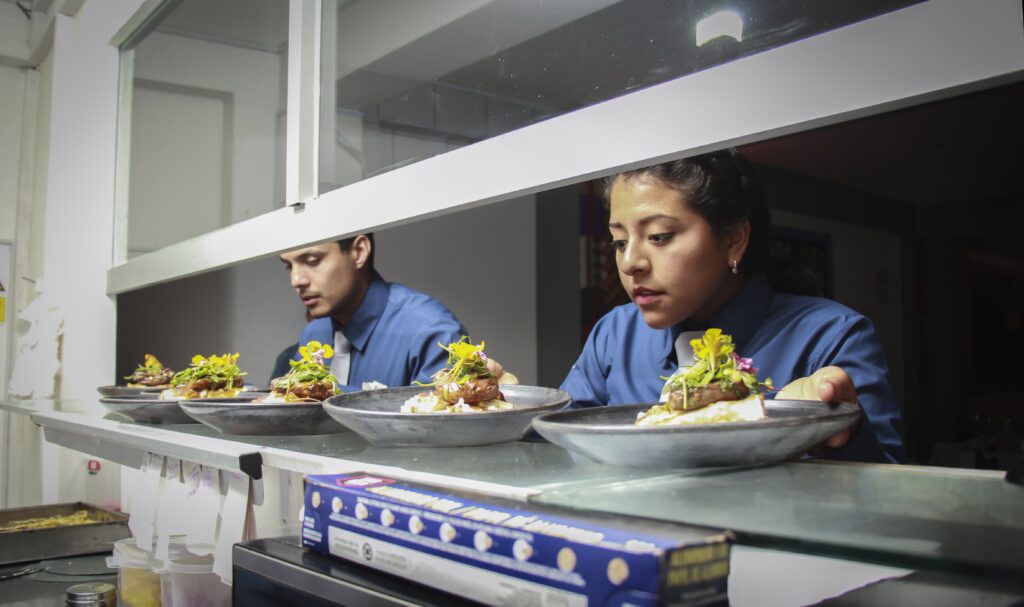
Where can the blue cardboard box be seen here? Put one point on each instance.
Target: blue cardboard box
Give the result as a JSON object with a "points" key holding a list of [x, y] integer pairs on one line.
{"points": [[502, 552]]}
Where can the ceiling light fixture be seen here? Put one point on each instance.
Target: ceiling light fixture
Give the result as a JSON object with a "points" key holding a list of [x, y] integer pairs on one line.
{"points": [[722, 23]]}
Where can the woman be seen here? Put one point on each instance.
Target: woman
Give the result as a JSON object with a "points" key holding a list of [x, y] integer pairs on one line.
{"points": [[688, 235]]}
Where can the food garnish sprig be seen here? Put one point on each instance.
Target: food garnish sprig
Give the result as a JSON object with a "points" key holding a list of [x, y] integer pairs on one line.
{"points": [[466, 363], [150, 366], [312, 367], [223, 368], [715, 361]]}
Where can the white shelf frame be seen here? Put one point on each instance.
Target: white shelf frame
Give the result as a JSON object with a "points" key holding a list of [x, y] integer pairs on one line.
{"points": [[922, 53]]}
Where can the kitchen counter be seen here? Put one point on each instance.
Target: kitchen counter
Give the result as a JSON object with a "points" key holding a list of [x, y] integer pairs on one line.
{"points": [[933, 519]]}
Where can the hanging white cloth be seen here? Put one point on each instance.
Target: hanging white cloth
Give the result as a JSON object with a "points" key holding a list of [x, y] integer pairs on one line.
{"points": [[342, 358]]}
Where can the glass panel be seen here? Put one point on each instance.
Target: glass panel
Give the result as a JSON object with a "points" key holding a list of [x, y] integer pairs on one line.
{"points": [[923, 516], [207, 124], [403, 81]]}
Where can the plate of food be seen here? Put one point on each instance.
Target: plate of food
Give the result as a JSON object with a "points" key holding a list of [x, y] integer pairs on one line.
{"points": [[464, 406], [712, 413], [150, 377], [158, 389], [292, 407]]}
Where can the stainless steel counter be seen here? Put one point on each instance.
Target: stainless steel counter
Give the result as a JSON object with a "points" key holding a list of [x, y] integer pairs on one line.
{"points": [[908, 516]]}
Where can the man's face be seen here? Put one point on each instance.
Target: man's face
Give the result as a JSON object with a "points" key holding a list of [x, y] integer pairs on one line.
{"points": [[324, 276]]}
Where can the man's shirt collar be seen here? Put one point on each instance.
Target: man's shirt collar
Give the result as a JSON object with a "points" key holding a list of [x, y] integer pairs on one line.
{"points": [[359, 329]]}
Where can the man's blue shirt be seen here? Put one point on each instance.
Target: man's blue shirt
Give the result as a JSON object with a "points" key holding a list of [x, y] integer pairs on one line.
{"points": [[787, 336], [394, 335]]}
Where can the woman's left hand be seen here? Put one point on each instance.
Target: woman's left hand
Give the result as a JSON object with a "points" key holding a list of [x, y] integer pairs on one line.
{"points": [[830, 385], [504, 377]]}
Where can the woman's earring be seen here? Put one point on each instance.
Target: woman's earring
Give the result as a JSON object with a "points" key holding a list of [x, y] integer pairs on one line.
{"points": [[735, 267]]}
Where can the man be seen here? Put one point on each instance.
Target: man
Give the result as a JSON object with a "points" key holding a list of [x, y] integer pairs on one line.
{"points": [[382, 333]]}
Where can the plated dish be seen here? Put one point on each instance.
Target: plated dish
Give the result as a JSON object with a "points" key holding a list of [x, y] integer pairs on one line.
{"points": [[463, 406], [378, 417], [720, 386], [308, 381], [213, 377], [292, 407], [151, 374], [151, 397], [150, 377], [611, 436], [464, 385], [712, 413]]}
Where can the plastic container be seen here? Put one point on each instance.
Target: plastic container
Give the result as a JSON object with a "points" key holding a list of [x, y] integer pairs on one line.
{"points": [[138, 572], [137, 584], [191, 582]]}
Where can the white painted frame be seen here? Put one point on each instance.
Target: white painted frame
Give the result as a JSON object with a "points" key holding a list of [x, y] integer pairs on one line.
{"points": [[923, 53], [8, 345], [303, 136]]}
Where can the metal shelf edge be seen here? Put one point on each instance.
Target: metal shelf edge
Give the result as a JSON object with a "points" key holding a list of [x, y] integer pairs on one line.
{"points": [[126, 443]]}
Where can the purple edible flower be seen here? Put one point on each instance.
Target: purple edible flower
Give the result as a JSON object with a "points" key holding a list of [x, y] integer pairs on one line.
{"points": [[744, 364]]}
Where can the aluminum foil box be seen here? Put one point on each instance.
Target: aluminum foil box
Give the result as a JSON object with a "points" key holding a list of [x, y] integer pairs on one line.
{"points": [[502, 552]]}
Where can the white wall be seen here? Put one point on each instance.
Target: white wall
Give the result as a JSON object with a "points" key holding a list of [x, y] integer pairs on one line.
{"points": [[23, 440], [13, 31], [78, 235], [12, 93], [64, 233], [480, 263], [205, 140], [179, 177]]}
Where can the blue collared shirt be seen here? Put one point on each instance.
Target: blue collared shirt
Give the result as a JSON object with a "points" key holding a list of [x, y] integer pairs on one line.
{"points": [[787, 336], [394, 335]]}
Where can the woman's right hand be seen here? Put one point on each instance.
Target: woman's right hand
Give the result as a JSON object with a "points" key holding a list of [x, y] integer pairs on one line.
{"points": [[830, 385]]}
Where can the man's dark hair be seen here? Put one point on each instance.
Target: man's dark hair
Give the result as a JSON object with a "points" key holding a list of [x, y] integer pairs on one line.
{"points": [[346, 244]]}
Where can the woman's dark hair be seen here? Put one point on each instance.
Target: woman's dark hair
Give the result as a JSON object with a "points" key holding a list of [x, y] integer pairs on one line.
{"points": [[346, 244], [720, 186]]}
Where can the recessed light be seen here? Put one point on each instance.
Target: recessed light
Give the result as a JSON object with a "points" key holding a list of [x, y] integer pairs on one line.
{"points": [[722, 23]]}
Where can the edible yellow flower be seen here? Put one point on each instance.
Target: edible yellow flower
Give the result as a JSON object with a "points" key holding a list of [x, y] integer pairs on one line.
{"points": [[712, 346], [464, 349], [315, 351]]}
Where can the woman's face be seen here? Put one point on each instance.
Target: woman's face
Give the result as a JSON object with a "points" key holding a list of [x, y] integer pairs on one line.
{"points": [[671, 263]]}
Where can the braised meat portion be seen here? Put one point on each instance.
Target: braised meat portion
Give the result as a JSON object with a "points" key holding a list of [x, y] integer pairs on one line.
{"points": [[695, 398], [206, 384], [475, 391], [150, 379], [311, 390]]}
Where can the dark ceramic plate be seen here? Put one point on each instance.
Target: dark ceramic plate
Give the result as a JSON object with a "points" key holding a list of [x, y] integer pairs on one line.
{"points": [[376, 415], [145, 409], [608, 435], [243, 416]]}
